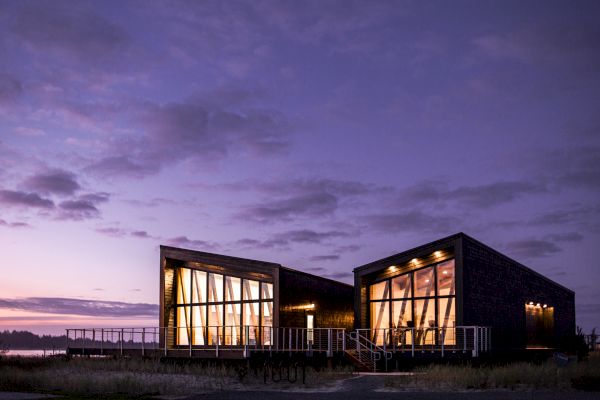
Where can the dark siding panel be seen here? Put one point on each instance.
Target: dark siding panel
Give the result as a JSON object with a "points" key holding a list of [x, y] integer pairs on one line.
{"points": [[495, 290], [333, 301]]}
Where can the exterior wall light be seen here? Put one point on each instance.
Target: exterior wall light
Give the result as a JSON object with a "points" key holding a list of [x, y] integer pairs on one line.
{"points": [[545, 305]]}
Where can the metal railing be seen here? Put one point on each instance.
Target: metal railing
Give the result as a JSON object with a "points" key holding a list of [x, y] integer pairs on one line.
{"points": [[474, 339], [101, 341], [369, 344]]}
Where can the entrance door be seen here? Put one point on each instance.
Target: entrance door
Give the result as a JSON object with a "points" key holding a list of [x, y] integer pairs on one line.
{"points": [[310, 325]]}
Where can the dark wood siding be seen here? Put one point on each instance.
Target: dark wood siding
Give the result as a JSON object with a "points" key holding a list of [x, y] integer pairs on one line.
{"points": [[496, 289], [333, 301]]}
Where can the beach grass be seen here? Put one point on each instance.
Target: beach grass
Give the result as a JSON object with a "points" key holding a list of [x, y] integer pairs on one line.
{"points": [[583, 375]]}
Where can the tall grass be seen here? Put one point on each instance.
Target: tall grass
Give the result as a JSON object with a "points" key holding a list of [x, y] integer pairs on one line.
{"points": [[82, 376], [582, 375]]}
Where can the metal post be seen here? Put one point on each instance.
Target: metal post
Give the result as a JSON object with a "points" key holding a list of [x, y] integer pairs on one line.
{"points": [[165, 336], [475, 342], [329, 340], [83, 341], [102, 342], [121, 341], [344, 340], [143, 340], [464, 331], [67, 342], [216, 348], [443, 340], [412, 330], [290, 341]]}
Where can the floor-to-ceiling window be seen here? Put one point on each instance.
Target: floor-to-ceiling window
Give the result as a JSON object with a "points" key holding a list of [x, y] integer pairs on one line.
{"points": [[422, 299], [222, 309]]}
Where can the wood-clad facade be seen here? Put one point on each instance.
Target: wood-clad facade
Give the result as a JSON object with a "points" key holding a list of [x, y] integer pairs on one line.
{"points": [[208, 299], [459, 281]]}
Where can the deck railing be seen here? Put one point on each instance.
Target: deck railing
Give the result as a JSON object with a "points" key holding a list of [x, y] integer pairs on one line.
{"points": [[474, 339], [218, 338], [163, 340]]}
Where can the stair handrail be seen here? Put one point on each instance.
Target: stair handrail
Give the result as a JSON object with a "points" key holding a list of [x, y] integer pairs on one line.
{"points": [[388, 354]]}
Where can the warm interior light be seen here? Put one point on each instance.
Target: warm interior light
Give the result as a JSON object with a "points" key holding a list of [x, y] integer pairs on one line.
{"points": [[393, 268], [531, 303], [426, 280], [445, 272], [414, 261], [545, 305], [537, 305], [306, 306]]}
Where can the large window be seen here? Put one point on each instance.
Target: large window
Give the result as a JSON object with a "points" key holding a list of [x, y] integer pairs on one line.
{"points": [[422, 299], [216, 309]]}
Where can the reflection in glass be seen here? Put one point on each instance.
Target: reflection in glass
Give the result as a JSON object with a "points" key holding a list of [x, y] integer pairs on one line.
{"points": [[380, 319], [199, 328], [250, 290], [267, 290], [215, 288], [215, 322], [267, 322], [233, 289], [199, 287], [445, 276], [184, 284], [424, 285], [401, 287], [402, 314], [251, 320], [425, 313], [447, 318], [183, 326], [232, 323], [380, 290]]}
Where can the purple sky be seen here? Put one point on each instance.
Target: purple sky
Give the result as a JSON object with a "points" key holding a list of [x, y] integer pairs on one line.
{"points": [[321, 135]]}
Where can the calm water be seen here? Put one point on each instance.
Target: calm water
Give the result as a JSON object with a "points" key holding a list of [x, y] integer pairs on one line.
{"points": [[33, 353]]}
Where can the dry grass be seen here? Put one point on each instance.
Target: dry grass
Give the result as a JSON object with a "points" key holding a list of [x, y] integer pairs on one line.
{"points": [[138, 377], [582, 375]]}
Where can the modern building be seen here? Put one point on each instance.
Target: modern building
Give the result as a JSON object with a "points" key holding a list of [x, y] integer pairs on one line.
{"points": [[434, 293], [209, 300], [454, 297]]}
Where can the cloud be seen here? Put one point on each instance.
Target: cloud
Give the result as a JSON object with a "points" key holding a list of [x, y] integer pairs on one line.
{"points": [[312, 205], [339, 275], [565, 237], [184, 241], [82, 207], [582, 216], [98, 308], [10, 89], [559, 44], [69, 28], [327, 257], [13, 224], [119, 232], [24, 199], [532, 248], [411, 221], [285, 239], [122, 166], [199, 129], [56, 182], [482, 196]]}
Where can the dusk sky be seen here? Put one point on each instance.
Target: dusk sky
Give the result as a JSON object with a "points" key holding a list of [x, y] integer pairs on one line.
{"points": [[320, 135]]}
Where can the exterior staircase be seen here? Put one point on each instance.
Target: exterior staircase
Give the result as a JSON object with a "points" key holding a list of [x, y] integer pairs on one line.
{"points": [[364, 353]]}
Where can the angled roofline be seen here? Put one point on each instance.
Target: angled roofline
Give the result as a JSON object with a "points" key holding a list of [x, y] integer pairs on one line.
{"points": [[195, 254], [460, 235], [516, 262], [391, 259]]}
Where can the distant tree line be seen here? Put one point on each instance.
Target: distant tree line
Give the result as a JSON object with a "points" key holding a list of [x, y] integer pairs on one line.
{"points": [[24, 340]]}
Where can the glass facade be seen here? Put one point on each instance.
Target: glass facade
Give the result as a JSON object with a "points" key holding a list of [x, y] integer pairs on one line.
{"points": [[214, 309], [423, 299]]}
